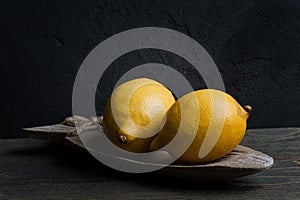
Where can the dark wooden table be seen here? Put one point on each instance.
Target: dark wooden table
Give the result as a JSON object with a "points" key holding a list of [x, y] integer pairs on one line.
{"points": [[31, 168]]}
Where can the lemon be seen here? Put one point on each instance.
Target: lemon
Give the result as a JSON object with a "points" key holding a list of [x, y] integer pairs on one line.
{"points": [[135, 112], [217, 119]]}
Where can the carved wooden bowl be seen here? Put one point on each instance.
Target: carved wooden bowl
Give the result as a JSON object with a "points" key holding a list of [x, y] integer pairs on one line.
{"points": [[242, 161]]}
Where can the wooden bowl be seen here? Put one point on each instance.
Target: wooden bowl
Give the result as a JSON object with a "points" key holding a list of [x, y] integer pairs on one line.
{"points": [[242, 161]]}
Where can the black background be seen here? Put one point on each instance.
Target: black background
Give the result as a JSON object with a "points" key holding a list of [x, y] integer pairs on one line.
{"points": [[255, 44]]}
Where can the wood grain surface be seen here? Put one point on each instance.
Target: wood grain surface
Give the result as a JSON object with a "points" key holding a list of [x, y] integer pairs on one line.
{"points": [[35, 169]]}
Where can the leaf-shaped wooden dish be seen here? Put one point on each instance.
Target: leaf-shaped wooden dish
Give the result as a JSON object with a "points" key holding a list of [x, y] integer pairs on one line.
{"points": [[242, 161]]}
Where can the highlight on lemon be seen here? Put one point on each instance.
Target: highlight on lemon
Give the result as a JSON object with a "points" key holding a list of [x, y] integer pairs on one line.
{"points": [[204, 110], [135, 113]]}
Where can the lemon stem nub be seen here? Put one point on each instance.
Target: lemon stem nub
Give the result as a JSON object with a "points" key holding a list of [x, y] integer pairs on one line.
{"points": [[122, 139], [248, 108]]}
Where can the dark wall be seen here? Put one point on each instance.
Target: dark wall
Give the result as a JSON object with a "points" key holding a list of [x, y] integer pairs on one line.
{"points": [[255, 44]]}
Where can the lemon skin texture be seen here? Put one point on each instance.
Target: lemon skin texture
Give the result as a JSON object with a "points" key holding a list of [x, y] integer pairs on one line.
{"points": [[135, 113], [214, 107]]}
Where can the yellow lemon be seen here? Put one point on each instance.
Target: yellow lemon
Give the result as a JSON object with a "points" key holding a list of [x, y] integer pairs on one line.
{"points": [[211, 122], [135, 112]]}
